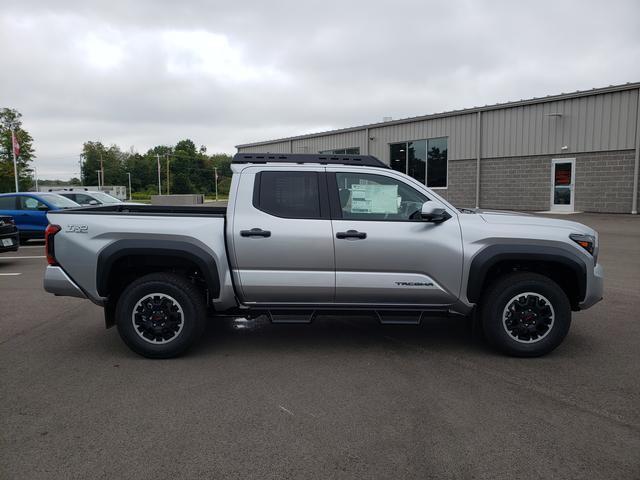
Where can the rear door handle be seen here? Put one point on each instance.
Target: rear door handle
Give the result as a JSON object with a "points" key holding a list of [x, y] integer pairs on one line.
{"points": [[255, 232], [351, 234]]}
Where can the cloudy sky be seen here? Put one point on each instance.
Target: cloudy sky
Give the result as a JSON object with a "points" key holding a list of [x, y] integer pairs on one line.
{"points": [[141, 73]]}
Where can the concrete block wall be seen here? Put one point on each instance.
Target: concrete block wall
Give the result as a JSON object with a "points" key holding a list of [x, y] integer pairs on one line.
{"points": [[603, 182], [461, 189], [518, 183]]}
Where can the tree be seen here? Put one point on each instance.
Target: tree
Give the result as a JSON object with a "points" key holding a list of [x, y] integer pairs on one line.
{"points": [[12, 118], [94, 154]]}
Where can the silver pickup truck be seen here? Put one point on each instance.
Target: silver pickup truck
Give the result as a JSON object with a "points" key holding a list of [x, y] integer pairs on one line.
{"points": [[309, 234]]}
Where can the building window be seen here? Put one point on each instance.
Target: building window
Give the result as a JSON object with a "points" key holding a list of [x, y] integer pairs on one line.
{"points": [[424, 160], [342, 151]]}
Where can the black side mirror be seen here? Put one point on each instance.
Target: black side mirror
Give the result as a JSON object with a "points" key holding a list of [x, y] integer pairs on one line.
{"points": [[43, 208], [432, 212]]}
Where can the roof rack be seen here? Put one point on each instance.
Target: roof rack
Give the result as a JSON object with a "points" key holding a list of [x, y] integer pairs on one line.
{"points": [[323, 159]]}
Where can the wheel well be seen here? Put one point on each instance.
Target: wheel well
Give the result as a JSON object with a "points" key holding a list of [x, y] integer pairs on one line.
{"points": [[560, 273], [131, 267]]}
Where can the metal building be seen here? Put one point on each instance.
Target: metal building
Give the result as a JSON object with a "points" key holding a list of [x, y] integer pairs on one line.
{"points": [[569, 152]]}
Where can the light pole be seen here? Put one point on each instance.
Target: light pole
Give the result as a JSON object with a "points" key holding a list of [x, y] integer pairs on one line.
{"points": [[14, 147], [159, 183], [130, 191], [215, 176]]}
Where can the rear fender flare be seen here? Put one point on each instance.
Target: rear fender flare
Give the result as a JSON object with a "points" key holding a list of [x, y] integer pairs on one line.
{"points": [[109, 255]]}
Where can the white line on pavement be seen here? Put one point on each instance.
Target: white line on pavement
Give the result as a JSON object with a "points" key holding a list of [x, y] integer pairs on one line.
{"points": [[32, 246], [9, 274], [25, 256]]}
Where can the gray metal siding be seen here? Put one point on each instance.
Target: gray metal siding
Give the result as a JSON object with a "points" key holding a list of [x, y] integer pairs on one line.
{"points": [[332, 142], [589, 123], [275, 147]]}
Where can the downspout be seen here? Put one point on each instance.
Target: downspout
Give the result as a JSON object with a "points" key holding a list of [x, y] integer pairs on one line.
{"points": [[478, 155], [366, 150], [636, 167]]}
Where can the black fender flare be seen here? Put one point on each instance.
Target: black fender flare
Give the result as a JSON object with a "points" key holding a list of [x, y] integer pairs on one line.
{"points": [[486, 258], [149, 247]]}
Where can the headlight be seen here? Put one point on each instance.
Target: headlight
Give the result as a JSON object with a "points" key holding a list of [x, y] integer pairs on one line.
{"points": [[588, 242]]}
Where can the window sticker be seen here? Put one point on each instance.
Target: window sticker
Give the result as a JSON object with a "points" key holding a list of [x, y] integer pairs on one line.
{"points": [[374, 199]]}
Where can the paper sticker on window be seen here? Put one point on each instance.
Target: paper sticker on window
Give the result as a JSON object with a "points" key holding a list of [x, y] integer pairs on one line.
{"points": [[374, 199]]}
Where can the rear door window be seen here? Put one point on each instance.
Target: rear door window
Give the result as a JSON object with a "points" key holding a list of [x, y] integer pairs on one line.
{"points": [[7, 203], [288, 194]]}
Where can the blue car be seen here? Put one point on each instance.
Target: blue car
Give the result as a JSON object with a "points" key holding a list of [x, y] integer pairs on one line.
{"points": [[29, 211]]}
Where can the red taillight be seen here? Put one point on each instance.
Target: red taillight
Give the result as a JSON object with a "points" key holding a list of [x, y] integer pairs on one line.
{"points": [[48, 243]]}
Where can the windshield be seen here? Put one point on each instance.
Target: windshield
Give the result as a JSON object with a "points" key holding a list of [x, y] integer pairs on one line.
{"points": [[59, 201], [105, 197]]}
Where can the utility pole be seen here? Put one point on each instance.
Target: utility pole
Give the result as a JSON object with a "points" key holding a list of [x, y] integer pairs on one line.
{"points": [[15, 162], [35, 173], [98, 172], [80, 163], [130, 191], [215, 176], [168, 189], [159, 181], [101, 168]]}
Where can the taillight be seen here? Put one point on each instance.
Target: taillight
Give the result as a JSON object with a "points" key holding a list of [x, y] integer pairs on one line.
{"points": [[48, 243]]}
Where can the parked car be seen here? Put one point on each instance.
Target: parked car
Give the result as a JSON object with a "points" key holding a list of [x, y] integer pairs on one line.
{"points": [[93, 198], [29, 211], [306, 234], [8, 234]]}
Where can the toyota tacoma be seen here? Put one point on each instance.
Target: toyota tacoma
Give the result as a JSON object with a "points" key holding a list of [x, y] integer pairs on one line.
{"points": [[309, 234]]}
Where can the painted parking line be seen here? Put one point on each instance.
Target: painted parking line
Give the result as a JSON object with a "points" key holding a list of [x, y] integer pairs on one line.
{"points": [[9, 274], [32, 246], [25, 256]]}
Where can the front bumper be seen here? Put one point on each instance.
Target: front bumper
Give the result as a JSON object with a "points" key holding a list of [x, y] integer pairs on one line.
{"points": [[595, 288], [56, 281], [15, 242]]}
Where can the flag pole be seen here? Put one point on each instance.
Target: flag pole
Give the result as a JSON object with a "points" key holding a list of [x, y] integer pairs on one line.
{"points": [[15, 163]]}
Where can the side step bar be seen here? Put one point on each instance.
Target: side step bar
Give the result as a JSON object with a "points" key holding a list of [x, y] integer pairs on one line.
{"points": [[385, 317]]}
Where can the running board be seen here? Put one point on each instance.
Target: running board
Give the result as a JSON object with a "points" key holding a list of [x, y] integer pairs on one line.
{"points": [[385, 317]]}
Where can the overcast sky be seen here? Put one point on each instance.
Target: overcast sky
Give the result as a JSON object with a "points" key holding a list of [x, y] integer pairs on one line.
{"points": [[141, 73]]}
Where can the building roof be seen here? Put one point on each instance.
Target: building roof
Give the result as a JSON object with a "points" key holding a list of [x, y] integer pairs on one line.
{"points": [[464, 111]]}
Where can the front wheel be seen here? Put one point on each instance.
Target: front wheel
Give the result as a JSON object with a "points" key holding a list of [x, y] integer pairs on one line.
{"points": [[525, 314], [160, 315]]}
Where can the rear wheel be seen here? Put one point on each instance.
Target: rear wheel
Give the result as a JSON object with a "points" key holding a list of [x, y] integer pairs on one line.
{"points": [[160, 315], [525, 314]]}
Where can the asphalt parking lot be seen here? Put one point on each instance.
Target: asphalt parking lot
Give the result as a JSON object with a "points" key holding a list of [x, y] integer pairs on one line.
{"points": [[341, 398]]}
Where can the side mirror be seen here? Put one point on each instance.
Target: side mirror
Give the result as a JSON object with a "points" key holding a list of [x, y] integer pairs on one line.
{"points": [[93, 202], [431, 212], [43, 208]]}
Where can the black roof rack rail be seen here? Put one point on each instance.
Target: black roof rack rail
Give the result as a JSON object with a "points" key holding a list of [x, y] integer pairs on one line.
{"points": [[324, 159]]}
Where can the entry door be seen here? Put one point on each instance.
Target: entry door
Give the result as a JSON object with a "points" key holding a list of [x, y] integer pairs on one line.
{"points": [[282, 238], [385, 254], [563, 173]]}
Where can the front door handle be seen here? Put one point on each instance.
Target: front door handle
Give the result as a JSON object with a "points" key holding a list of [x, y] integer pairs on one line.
{"points": [[255, 232], [351, 234]]}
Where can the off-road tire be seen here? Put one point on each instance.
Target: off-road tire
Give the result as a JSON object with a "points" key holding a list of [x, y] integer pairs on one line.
{"points": [[541, 288], [181, 295]]}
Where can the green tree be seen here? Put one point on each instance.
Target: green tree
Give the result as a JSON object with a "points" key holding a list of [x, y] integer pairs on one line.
{"points": [[10, 118], [94, 155]]}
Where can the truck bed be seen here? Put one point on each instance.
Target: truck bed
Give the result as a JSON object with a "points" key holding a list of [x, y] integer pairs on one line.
{"points": [[155, 210]]}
